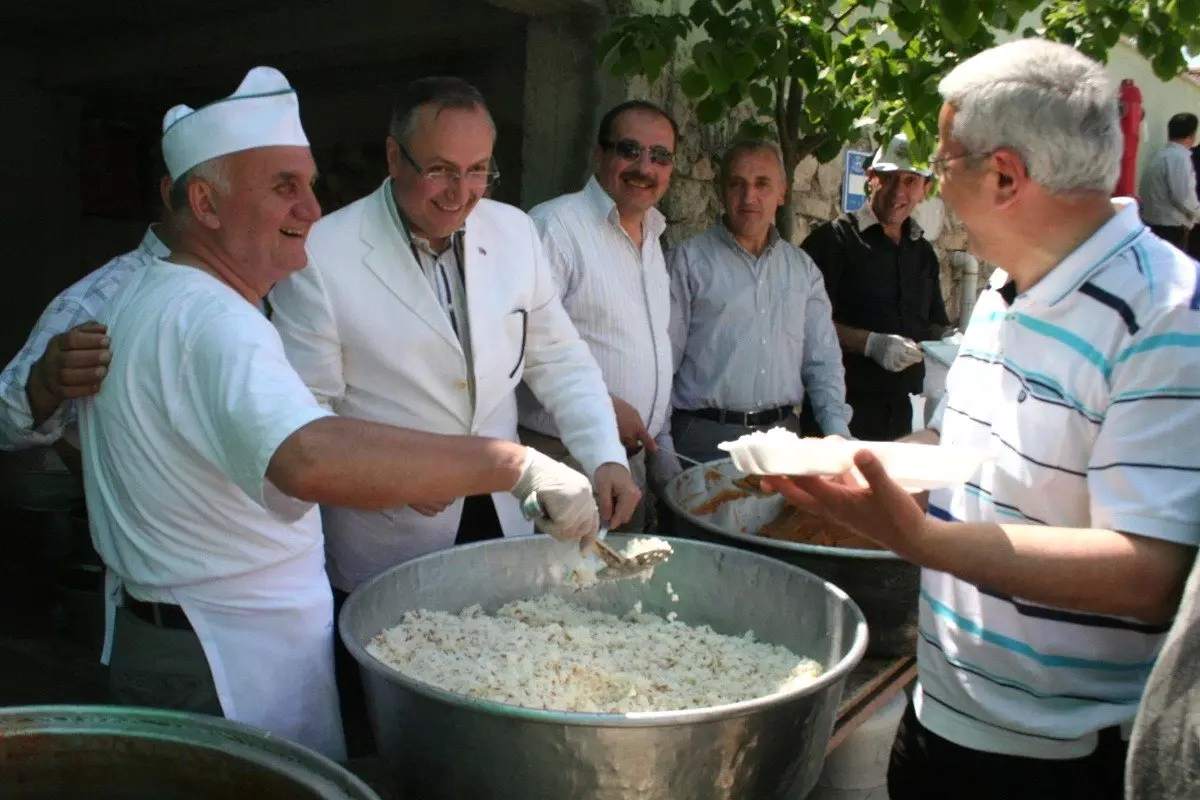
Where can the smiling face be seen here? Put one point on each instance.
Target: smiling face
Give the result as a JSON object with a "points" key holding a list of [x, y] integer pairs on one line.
{"points": [[635, 185], [894, 194], [459, 140], [753, 188], [266, 214]]}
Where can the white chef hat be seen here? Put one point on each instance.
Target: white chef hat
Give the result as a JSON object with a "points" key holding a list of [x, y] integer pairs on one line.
{"points": [[263, 112]]}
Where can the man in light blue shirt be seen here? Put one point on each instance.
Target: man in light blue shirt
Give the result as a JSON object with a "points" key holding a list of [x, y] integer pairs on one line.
{"points": [[1169, 203], [751, 326]]}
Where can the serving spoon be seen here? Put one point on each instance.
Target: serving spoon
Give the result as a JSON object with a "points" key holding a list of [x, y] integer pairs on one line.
{"points": [[617, 566]]}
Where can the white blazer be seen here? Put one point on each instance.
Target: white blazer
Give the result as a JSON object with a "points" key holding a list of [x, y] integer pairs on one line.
{"points": [[362, 326]]}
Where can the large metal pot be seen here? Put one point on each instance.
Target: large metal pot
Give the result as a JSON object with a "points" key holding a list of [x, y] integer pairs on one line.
{"points": [[884, 585], [447, 746], [53, 752]]}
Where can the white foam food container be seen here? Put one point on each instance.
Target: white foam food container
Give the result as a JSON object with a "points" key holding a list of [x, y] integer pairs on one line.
{"points": [[916, 467]]}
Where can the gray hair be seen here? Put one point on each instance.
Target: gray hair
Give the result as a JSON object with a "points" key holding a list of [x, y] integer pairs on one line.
{"points": [[214, 172], [752, 146], [439, 92], [1047, 102]]}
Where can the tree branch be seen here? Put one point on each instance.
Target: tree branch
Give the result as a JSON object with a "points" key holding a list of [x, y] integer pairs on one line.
{"points": [[809, 144], [795, 107], [837, 21], [781, 103]]}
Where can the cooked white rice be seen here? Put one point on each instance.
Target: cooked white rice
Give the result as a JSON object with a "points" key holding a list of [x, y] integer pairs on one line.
{"points": [[550, 653]]}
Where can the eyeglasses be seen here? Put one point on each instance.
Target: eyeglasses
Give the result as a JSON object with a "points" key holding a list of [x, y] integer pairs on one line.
{"points": [[937, 165], [632, 151], [443, 177]]}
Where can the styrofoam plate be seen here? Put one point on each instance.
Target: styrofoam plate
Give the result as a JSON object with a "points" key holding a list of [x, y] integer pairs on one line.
{"points": [[916, 467]]}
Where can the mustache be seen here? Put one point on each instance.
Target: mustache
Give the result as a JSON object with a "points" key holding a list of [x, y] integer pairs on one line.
{"points": [[637, 174]]}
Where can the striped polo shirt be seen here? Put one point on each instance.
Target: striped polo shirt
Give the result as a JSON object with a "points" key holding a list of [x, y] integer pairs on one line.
{"points": [[1086, 391]]}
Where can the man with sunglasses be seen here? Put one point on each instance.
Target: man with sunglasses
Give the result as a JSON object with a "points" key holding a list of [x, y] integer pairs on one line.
{"points": [[604, 250], [882, 278]]}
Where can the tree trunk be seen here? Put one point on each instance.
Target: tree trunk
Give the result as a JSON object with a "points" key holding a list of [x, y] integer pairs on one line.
{"points": [[785, 217]]}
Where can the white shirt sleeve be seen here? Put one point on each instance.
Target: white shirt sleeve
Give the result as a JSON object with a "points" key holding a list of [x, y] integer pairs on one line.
{"points": [[1144, 473], [17, 430], [1181, 185], [681, 304], [562, 270], [243, 398], [565, 378], [304, 318]]}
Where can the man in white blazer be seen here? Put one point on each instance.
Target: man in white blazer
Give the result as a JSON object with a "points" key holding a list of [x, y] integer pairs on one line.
{"points": [[425, 305]]}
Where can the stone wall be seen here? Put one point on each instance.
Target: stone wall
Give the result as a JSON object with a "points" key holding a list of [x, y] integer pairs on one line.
{"points": [[692, 203]]}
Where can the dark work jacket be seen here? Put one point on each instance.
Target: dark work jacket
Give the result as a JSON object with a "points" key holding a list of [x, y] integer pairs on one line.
{"points": [[880, 286]]}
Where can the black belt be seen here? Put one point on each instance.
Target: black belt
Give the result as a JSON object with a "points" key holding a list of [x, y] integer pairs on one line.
{"points": [[750, 419], [164, 615]]}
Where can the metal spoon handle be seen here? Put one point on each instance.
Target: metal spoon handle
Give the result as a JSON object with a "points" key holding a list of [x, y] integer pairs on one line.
{"points": [[532, 509], [690, 460]]}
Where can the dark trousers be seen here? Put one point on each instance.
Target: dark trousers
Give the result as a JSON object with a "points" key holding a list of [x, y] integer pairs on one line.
{"points": [[925, 766], [1193, 247], [879, 416], [479, 522], [1175, 234]]}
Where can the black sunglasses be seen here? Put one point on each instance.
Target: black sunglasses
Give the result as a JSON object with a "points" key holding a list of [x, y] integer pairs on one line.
{"points": [[632, 151]]}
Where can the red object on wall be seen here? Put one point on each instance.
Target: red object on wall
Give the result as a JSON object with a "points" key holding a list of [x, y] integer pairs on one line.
{"points": [[1131, 129]]}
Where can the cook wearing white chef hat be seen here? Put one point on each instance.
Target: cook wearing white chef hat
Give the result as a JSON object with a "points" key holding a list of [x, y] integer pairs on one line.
{"points": [[253, 138], [206, 453], [264, 111]]}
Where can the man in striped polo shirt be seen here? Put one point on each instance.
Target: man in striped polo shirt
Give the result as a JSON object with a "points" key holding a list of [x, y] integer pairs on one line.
{"points": [[1051, 575]]}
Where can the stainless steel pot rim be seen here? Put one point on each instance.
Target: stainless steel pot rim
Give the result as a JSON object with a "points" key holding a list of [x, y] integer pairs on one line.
{"points": [[774, 544], [634, 719], [197, 730]]}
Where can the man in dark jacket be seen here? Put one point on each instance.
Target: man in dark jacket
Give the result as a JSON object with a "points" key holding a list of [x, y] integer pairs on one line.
{"points": [[882, 278]]}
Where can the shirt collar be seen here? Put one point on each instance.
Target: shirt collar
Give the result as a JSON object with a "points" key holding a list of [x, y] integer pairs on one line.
{"points": [[416, 239], [727, 236], [1180, 146], [154, 245], [865, 218], [1112, 238], [606, 209]]}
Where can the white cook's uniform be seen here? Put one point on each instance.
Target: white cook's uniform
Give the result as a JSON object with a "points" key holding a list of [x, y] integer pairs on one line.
{"points": [[365, 330], [175, 449]]}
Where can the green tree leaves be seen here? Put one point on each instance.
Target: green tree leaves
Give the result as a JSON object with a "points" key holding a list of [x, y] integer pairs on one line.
{"points": [[818, 73]]}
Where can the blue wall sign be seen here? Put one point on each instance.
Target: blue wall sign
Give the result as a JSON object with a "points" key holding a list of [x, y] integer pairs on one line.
{"points": [[854, 180]]}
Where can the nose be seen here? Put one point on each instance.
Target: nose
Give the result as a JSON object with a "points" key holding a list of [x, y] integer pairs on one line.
{"points": [[309, 208]]}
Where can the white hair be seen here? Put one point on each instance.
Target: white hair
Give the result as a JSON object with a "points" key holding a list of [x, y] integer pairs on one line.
{"points": [[214, 172], [1047, 102]]}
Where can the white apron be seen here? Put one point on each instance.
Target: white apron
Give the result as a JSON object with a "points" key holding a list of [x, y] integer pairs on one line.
{"points": [[268, 638]]}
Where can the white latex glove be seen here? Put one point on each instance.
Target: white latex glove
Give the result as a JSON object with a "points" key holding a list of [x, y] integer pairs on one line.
{"points": [[893, 352], [570, 512]]}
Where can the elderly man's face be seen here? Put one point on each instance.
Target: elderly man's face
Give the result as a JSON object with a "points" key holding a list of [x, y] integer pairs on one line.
{"points": [[962, 186], [447, 142], [753, 188], [895, 194], [269, 209], [636, 184]]}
